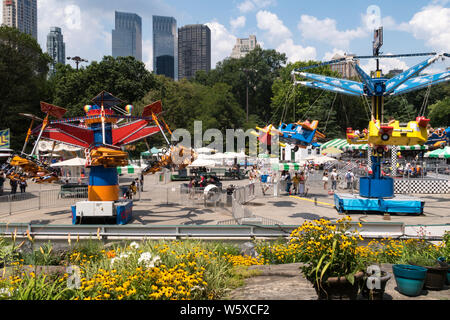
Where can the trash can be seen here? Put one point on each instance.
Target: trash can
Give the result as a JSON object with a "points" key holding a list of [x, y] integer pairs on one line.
{"points": [[230, 190]]}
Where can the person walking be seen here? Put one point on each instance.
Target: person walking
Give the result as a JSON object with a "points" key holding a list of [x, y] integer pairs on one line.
{"points": [[288, 182]]}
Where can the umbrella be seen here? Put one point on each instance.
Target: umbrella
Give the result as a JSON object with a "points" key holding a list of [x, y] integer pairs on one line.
{"points": [[332, 150], [439, 153], [75, 162]]}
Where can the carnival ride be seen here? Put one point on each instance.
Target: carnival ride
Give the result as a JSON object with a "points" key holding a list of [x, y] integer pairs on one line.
{"points": [[438, 138], [102, 138], [299, 134], [377, 191]]}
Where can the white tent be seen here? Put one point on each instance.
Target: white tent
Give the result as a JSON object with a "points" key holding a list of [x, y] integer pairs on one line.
{"points": [[75, 162], [319, 159], [47, 146], [202, 163], [205, 150]]}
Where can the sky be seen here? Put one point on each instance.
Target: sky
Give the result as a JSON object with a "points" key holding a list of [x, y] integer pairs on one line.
{"points": [[303, 30]]}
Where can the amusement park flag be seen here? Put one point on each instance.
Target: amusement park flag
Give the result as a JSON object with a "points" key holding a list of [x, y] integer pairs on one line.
{"points": [[4, 139]]}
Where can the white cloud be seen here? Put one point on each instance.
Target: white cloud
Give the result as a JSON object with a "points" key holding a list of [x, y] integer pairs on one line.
{"points": [[83, 31], [222, 42], [329, 55], [251, 5], [276, 31], [386, 65], [325, 30], [280, 37], [432, 24], [147, 54], [295, 52], [237, 23]]}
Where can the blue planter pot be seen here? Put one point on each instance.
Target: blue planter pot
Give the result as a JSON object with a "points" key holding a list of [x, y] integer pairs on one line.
{"points": [[410, 279]]}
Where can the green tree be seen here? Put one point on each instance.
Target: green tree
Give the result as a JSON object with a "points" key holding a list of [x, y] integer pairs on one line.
{"points": [[257, 71], [23, 72], [440, 113], [124, 77]]}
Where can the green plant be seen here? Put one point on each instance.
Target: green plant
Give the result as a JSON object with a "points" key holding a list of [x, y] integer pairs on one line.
{"points": [[328, 250]]}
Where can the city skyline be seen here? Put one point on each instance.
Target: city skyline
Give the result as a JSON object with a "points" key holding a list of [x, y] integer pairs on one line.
{"points": [[21, 14], [126, 39], [56, 47], [303, 30], [165, 46]]}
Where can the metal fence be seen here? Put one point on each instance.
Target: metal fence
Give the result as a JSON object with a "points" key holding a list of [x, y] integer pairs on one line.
{"points": [[41, 199]]}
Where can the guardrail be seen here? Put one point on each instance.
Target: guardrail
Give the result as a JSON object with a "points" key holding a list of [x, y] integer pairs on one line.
{"points": [[369, 230]]}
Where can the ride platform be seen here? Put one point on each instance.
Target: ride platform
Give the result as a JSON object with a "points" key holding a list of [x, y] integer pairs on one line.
{"points": [[400, 204]]}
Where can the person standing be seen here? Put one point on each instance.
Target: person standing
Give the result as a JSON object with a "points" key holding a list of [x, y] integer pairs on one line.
{"points": [[302, 182], [141, 180], [23, 185], [13, 184], [295, 183], [349, 177], [2, 181], [325, 180], [334, 179]]}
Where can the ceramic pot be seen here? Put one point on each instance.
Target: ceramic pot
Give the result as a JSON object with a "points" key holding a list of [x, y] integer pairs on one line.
{"points": [[436, 277], [409, 278], [339, 288], [376, 294]]}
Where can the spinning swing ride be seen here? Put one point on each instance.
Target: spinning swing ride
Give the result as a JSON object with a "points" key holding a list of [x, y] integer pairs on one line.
{"points": [[377, 191], [99, 134]]}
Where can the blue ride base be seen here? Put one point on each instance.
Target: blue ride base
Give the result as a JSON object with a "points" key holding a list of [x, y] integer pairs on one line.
{"points": [[377, 196]]}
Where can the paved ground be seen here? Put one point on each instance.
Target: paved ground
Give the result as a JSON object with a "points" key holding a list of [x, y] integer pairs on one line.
{"points": [[287, 283], [155, 207]]}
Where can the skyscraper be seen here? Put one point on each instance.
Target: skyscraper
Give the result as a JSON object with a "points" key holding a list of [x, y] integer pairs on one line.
{"points": [[56, 47], [21, 14], [127, 35], [165, 46], [345, 68], [243, 46], [194, 50]]}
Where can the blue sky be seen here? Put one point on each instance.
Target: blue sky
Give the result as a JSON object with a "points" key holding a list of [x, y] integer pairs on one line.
{"points": [[302, 29]]}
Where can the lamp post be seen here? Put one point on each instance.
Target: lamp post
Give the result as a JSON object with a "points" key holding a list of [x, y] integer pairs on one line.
{"points": [[77, 60], [247, 84]]}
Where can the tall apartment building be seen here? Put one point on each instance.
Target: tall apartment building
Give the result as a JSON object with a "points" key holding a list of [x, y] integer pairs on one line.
{"points": [[243, 46], [21, 14], [345, 68], [165, 44], [56, 47], [194, 50], [127, 35]]}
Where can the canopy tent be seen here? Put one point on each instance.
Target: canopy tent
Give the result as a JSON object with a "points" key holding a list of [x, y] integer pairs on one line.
{"points": [[342, 144], [288, 166], [5, 152], [202, 163], [47, 146], [439, 153], [151, 152], [75, 162], [130, 169], [205, 150], [320, 159], [331, 150]]}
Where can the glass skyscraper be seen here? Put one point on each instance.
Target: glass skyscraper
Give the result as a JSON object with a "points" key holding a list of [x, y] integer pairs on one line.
{"points": [[165, 60], [194, 50], [127, 35], [56, 47], [21, 14]]}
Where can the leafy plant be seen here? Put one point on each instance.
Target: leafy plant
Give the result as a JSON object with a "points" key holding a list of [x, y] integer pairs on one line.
{"points": [[328, 250]]}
